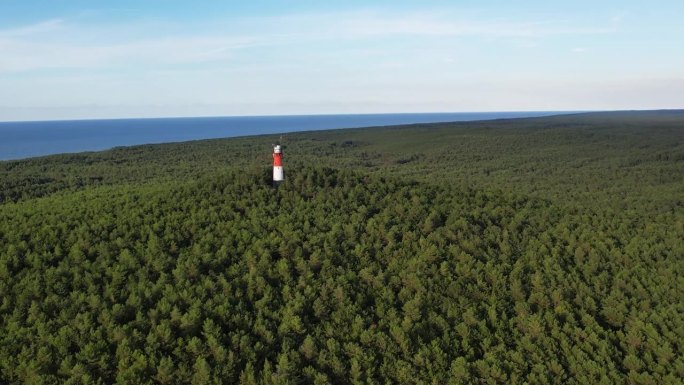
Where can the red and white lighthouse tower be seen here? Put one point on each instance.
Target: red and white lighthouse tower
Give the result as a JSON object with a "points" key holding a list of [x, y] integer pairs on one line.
{"points": [[278, 175]]}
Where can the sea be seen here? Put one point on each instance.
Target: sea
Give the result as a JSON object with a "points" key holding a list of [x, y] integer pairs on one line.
{"points": [[27, 139]]}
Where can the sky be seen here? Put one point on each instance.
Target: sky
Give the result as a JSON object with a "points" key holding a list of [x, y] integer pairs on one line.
{"points": [[78, 59]]}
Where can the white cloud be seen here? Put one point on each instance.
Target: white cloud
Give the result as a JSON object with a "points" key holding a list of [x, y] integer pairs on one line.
{"points": [[452, 26], [33, 55], [56, 44], [446, 23], [42, 27]]}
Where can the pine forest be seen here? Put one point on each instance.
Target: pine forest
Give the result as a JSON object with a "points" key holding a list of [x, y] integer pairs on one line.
{"points": [[516, 251]]}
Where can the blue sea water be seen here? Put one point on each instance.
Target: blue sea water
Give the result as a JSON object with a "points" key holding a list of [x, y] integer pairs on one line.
{"points": [[28, 139]]}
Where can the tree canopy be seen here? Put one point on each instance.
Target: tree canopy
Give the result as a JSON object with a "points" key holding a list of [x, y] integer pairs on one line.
{"points": [[544, 250]]}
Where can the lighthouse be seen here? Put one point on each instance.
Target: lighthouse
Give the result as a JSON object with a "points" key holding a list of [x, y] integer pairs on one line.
{"points": [[278, 175]]}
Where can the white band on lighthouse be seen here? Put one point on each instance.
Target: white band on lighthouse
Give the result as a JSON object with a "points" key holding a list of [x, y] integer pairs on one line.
{"points": [[278, 175]]}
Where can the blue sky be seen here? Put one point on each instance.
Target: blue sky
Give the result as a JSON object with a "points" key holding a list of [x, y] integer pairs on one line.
{"points": [[75, 59]]}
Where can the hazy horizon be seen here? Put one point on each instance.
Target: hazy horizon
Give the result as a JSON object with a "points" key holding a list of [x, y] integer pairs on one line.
{"points": [[545, 112]]}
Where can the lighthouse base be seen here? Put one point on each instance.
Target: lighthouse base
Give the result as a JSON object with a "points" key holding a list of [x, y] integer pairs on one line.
{"points": [[278, 175]]}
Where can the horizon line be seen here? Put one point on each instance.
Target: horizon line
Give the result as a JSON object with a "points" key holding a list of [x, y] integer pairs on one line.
{"points": [[329, 114]]}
